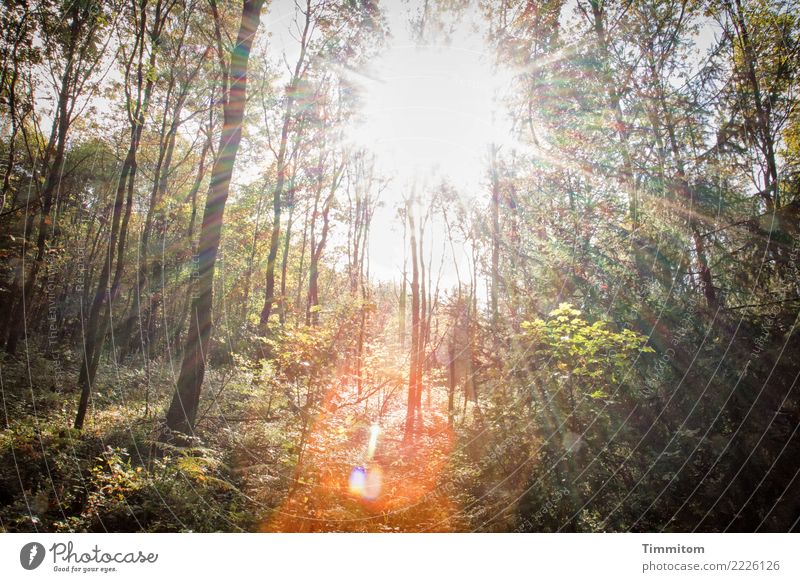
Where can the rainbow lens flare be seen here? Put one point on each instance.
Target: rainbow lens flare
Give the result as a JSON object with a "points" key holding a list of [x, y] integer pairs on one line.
{"points": [[366, 483], [358, 478]]}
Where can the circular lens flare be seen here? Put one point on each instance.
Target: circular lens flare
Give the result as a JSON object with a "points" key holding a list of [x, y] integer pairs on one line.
{"points": [[373, 484], [358, 478], [366, 483]]}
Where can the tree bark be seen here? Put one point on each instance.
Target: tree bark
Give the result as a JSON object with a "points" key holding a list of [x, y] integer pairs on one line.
{"points": [[281, 163], [495, 288], [412, 407], [98, 322], [182, 412]]}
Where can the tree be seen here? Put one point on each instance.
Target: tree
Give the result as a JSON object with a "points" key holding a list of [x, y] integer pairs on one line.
{"points": [[414, 401], [74, 43], [182, 411], [139, 89]]}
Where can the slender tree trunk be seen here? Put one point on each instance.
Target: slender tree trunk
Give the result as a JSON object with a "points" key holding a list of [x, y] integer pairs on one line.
{"points": [[312, 313], [144, 295], [287, 239], [317, 249], [364, 308], [9, 79], [104, 296], [57, 146], [182, 412], [301, 269], [190, 239], [413, 369], [767, 143], [282, 163], [423, 323], [687, 194], [248, 276], [313, 266], [495, 289], [403, 296], [615, 104], [451, 379]]}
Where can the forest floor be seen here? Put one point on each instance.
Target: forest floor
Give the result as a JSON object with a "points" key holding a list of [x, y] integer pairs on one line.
{"points": [[361, 477], [252, 467]]}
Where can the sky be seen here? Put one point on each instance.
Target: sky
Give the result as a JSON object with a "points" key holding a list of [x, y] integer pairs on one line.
{"points": [[430, 113]]}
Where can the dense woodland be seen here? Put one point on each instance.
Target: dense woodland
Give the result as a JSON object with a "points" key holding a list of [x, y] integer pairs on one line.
{"points": [[600, 336]]}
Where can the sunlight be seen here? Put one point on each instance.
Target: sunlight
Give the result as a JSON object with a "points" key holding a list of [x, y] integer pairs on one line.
{"points": [[429, 113], [431, 109], [374, 431]]}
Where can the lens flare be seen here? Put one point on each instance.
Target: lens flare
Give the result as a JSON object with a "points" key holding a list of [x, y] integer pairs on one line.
{"points": [[358, 478], [374, 431], [373, 484], [366, 483]]}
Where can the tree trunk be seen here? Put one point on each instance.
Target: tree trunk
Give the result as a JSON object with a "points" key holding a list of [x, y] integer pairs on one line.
{"points": [[767, 145], [104, 296], [312, 313], [144, 295], [57, 146], [282, 163], [182, 412], [198, 180], [248, 276], [451, 378], [687, 194], [495, 289], [615, 104], [401, 330], [285, 263], [317, 249], [412, 409]]}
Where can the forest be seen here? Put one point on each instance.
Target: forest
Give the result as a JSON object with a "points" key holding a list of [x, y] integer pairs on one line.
{"points": [[399, 265]]}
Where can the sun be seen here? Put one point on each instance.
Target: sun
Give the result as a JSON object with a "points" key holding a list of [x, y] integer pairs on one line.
{"points": [[429, 113], [431, 109]]}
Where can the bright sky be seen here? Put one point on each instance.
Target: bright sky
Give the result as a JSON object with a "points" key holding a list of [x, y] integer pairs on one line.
{"points": [[430, 109], [430, 113]]}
